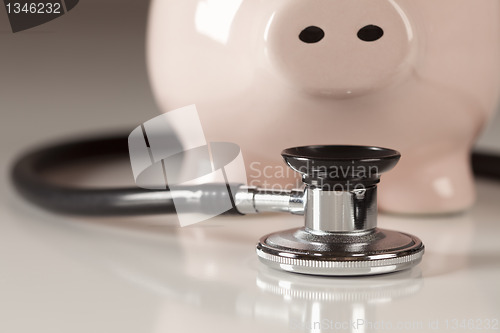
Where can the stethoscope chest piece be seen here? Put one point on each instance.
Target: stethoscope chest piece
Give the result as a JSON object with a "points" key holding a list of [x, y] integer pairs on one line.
{"points": [[340, 236]]}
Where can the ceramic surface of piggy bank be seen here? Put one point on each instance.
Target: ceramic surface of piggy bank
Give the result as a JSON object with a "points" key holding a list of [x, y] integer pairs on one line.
{"points": [[420, 76]]}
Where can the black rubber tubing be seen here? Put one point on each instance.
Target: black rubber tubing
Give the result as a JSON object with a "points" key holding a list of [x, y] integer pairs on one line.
{"points": [[27, 177]]}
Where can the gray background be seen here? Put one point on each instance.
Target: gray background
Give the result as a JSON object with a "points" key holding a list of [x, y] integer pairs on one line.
{"points": [[83, 73]]}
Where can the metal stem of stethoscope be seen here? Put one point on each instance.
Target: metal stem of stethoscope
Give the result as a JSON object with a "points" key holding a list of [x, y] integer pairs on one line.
{"points": [[339, 202]]}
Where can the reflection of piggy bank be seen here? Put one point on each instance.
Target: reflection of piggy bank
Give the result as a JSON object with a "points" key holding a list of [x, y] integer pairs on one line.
{"points": [[418, 76]]}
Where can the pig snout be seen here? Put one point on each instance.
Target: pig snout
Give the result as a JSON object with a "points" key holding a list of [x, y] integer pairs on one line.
{"points": [[334, 48]]}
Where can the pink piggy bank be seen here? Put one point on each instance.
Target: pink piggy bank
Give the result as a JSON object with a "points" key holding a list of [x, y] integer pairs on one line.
{"points": [[420, 76]]}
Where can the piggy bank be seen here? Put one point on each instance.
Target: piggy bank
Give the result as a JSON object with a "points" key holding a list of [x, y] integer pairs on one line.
{"points": [[420, 76]]}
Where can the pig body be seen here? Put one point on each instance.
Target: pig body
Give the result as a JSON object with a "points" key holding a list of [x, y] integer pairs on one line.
{"points": [[421, 77]]}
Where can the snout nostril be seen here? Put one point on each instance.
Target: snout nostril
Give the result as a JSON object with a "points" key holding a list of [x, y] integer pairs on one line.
{"points": [[370, 33], [311, 35]]}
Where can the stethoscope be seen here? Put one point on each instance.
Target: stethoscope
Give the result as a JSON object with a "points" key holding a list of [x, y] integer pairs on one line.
{"points": [[340, 236]]}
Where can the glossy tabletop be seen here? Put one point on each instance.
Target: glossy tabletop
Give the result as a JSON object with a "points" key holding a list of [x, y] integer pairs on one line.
{"points": [[146, 274]]}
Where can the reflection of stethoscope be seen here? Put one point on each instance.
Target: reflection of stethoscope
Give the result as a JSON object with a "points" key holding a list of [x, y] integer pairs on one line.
{"points": [[176, 268], [340, 236]]}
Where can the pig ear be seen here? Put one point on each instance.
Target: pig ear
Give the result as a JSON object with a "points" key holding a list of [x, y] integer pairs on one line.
{"points": [[25, 15]]}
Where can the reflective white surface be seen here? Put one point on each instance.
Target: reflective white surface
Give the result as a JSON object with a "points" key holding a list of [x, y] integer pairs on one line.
{"points": [[144, 274]]}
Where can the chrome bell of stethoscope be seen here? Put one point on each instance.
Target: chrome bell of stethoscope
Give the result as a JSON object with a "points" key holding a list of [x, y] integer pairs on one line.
{"points": [[339, 202]]}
